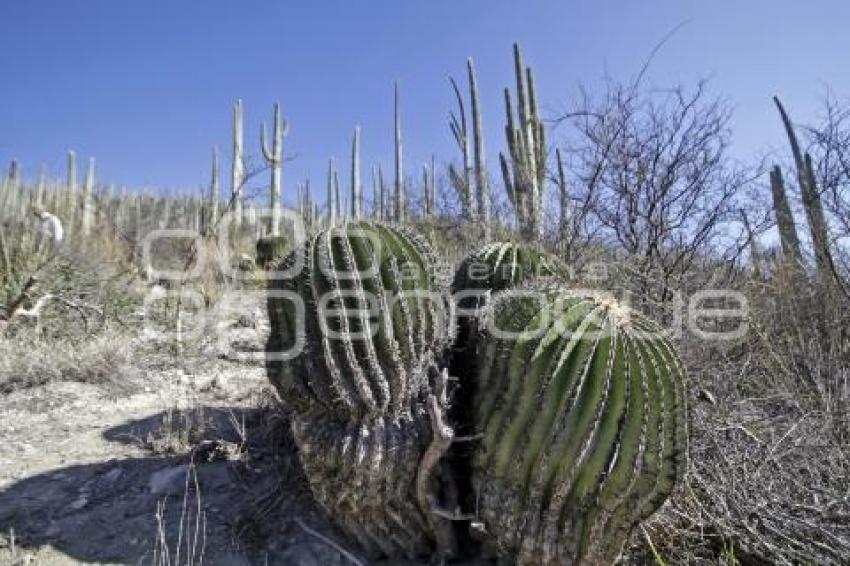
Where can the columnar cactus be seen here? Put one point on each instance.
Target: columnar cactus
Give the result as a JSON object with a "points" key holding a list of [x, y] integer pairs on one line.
{"points": [[356, 187], [332, 200], [525, 174], [785, 219], [366, 305], [565, 220], [88, 195], [482, 186], [581, 404], [462, 181], [274, 157], [811, 202], [237, 171], [429, 181], [71, 183], [400, 200], [215, 190]]}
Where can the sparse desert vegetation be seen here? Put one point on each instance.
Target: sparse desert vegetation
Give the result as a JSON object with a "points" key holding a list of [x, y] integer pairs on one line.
{"points": [[597, 337]]}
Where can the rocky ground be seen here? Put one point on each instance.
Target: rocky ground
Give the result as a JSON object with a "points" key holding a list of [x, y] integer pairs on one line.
{"points": [[170, 464]]}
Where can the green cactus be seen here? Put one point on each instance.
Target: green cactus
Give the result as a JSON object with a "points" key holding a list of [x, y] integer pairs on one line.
{"points": [[502, 265], [524, 174], [785, 220], [584, 426], [270, 249], [358, 390], [274, 157]]}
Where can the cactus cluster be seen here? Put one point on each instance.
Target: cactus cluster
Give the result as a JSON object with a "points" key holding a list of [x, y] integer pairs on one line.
{"points": [[376, 322], [524, 174], [579, 407], [582, 409]]}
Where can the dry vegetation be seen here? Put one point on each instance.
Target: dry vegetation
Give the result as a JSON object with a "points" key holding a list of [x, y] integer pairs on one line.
{"points": [[654, 194]]}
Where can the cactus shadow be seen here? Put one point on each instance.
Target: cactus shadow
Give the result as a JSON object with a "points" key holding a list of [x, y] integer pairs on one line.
{"points": [[253, 502]]}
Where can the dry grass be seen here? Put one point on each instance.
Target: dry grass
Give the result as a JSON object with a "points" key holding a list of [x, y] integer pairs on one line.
{"points": [[770, 439], [28, 361]]}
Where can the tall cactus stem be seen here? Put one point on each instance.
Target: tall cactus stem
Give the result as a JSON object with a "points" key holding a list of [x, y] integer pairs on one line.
{"points": [[274, 158], [356, 187], [482, 187], [400, 203], [237, 171]]}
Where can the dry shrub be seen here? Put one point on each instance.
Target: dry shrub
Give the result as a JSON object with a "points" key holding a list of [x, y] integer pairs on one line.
{"points": [[26, 361], [770, 438]]}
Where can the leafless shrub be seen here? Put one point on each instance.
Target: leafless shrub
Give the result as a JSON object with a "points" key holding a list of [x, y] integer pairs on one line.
{"points": [[653, 179]]}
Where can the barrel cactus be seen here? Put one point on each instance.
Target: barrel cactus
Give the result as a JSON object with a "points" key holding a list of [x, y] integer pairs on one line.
{"points": [[269, 249], [581, 405], [375, 326], [502, 265]]}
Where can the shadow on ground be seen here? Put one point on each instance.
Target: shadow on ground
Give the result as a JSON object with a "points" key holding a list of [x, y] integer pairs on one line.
{"points": [[234, 465]]}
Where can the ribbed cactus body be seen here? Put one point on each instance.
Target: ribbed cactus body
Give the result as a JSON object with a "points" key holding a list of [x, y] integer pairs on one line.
{"points": [[363, 474], [503, 265], [583, 418], [375, 324]]}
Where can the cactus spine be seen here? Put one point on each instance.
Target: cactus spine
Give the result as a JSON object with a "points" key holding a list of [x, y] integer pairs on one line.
{"points": [[584, 426], [358, 389], [237, 171], [356, 187], [785, 220], [400, 201], [274, 157], [525, 175]]}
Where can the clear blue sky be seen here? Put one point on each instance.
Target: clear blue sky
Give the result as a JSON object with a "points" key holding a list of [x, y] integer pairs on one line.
{"points": [[146, 87]]}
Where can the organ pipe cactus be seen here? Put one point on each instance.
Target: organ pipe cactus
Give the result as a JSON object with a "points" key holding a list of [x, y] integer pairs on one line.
{"points": [[400, 199], [356, 187], [581, 404], [811, 202], [462, 181], [88, 204], [332, 202], [71, 183], [525, 174], [237, 171], [365, 303], [785, 219], [274, 157], [215, 190], [482, 186]]}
